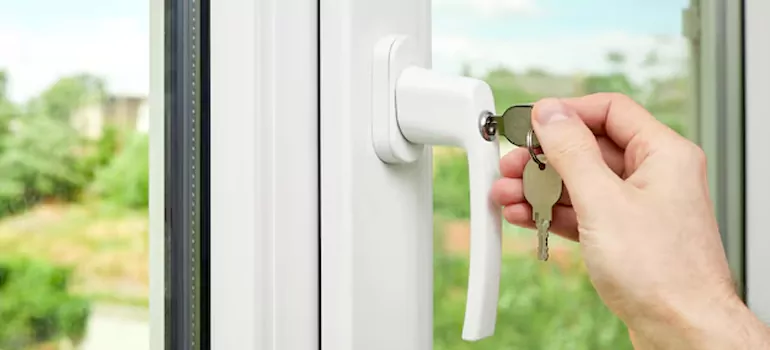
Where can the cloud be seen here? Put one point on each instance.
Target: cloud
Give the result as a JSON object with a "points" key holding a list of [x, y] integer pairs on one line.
{"points": [[564, 53], [486, 8], [114, 48]]}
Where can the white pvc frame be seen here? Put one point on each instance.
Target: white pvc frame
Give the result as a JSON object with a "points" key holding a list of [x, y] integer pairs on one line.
{"points": [[757, 80], [157, 174], [264, 175]]}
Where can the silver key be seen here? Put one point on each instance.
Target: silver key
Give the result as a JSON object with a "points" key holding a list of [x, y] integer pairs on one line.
{"points": [[542, 189], [514, 124]]}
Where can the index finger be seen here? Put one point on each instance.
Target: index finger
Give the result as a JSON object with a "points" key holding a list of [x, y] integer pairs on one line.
{"points": [[612, 114]]}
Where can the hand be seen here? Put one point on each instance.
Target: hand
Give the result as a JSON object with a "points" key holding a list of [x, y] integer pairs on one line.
{"points": [[636, 197]]}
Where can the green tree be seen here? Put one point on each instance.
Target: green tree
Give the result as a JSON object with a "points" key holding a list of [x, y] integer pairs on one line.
{"points": [[538, 72], [69, 93], [3, 85], [508, 89], [613, 82], [39, 160], [8, 110], [652, 59], [617, 59], [667, 96], [125, 180]]}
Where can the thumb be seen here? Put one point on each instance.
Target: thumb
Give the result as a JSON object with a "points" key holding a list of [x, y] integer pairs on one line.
{"points": [[571, 148]]}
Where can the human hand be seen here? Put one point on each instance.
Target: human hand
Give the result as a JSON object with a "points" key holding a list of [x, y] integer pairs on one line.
{"points": [[637, 199]]}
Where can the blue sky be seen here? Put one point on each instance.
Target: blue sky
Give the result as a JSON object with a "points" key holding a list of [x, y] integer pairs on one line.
{"points": [[559, 35], [41, 40]]}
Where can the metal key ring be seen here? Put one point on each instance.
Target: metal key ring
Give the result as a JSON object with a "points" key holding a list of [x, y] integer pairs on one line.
{"points": [[531, 150]]}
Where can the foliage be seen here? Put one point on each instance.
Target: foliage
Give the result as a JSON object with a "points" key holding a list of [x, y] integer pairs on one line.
{"points": [[451, 190], [98, 154], [39, 161], [69, 93], [508, 90], [541, 306], [125, 180], [41, 155], [7, 109], [665, 97], [35, 306], [614, 82]]}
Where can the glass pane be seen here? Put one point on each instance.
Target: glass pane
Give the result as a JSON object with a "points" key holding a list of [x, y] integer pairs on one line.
{"points": [[527, 50], [74, 78]]}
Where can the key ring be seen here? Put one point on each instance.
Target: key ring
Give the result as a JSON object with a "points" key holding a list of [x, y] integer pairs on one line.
{"points": [[531, 150]]}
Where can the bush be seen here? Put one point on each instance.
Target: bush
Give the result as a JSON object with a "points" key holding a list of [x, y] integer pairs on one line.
{"points": [[125, 180], [99, 153], [451, 192], [39, 161], [36, 307], [541, 306]]}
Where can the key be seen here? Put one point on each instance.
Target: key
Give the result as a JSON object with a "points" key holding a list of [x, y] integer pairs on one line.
{"points": [[514, 124], [542, 189]]}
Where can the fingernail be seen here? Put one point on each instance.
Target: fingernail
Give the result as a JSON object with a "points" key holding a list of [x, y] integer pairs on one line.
{"points": [[550, 110]]}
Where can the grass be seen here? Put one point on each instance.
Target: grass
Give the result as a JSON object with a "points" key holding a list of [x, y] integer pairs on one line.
{"points": [[106, 246]]}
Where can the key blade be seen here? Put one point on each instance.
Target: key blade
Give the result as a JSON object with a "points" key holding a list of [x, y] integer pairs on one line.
{"points": [[542, 238], [500, 125]]}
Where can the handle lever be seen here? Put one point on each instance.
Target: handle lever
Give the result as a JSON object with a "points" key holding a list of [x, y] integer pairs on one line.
{"points": [[414, 107]]}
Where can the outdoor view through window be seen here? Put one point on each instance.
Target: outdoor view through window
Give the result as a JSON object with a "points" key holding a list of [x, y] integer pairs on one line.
{"points": [[74, 79], [527, 50], [74, 83]]}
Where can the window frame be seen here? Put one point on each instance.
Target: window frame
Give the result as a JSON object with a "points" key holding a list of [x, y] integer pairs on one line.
{"points": [[265, 168], [264, 253], [719, 115], [376, 218], [157, 157], [757, 56]]}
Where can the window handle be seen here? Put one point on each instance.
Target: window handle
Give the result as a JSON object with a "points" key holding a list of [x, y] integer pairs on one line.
{"points": [[414, 107]]}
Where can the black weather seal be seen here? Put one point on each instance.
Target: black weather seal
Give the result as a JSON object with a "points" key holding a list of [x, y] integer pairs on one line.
{"points": [[187, 267]]}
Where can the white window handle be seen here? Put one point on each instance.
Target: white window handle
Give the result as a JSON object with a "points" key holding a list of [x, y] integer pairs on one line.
{"points": [[414, 107]]}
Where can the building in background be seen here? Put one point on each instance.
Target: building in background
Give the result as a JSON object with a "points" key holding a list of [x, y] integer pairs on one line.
{"points": [[123, 111]]}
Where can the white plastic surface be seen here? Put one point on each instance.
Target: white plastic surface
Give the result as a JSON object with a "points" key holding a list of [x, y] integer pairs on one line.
{"points": [[376, 218], [757, 83], [264, 184], [391, 56], [437, 109]]}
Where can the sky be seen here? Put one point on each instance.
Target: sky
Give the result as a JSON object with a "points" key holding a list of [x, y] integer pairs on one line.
{"points": [[42, 40]]}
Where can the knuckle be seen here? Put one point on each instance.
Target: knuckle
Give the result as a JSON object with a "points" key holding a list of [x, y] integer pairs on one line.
{"points": [[698, 157], [690, 154], [619, 98]]}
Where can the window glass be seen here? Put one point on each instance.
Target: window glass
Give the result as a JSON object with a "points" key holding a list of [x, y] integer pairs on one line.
{"points": [[74, 79], [527, 50]]}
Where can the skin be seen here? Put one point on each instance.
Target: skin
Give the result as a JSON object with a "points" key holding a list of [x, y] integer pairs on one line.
{"points": [[636, 199]]}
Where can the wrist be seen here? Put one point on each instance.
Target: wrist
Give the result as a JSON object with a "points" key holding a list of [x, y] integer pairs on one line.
{"points": [[724, 323]]}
